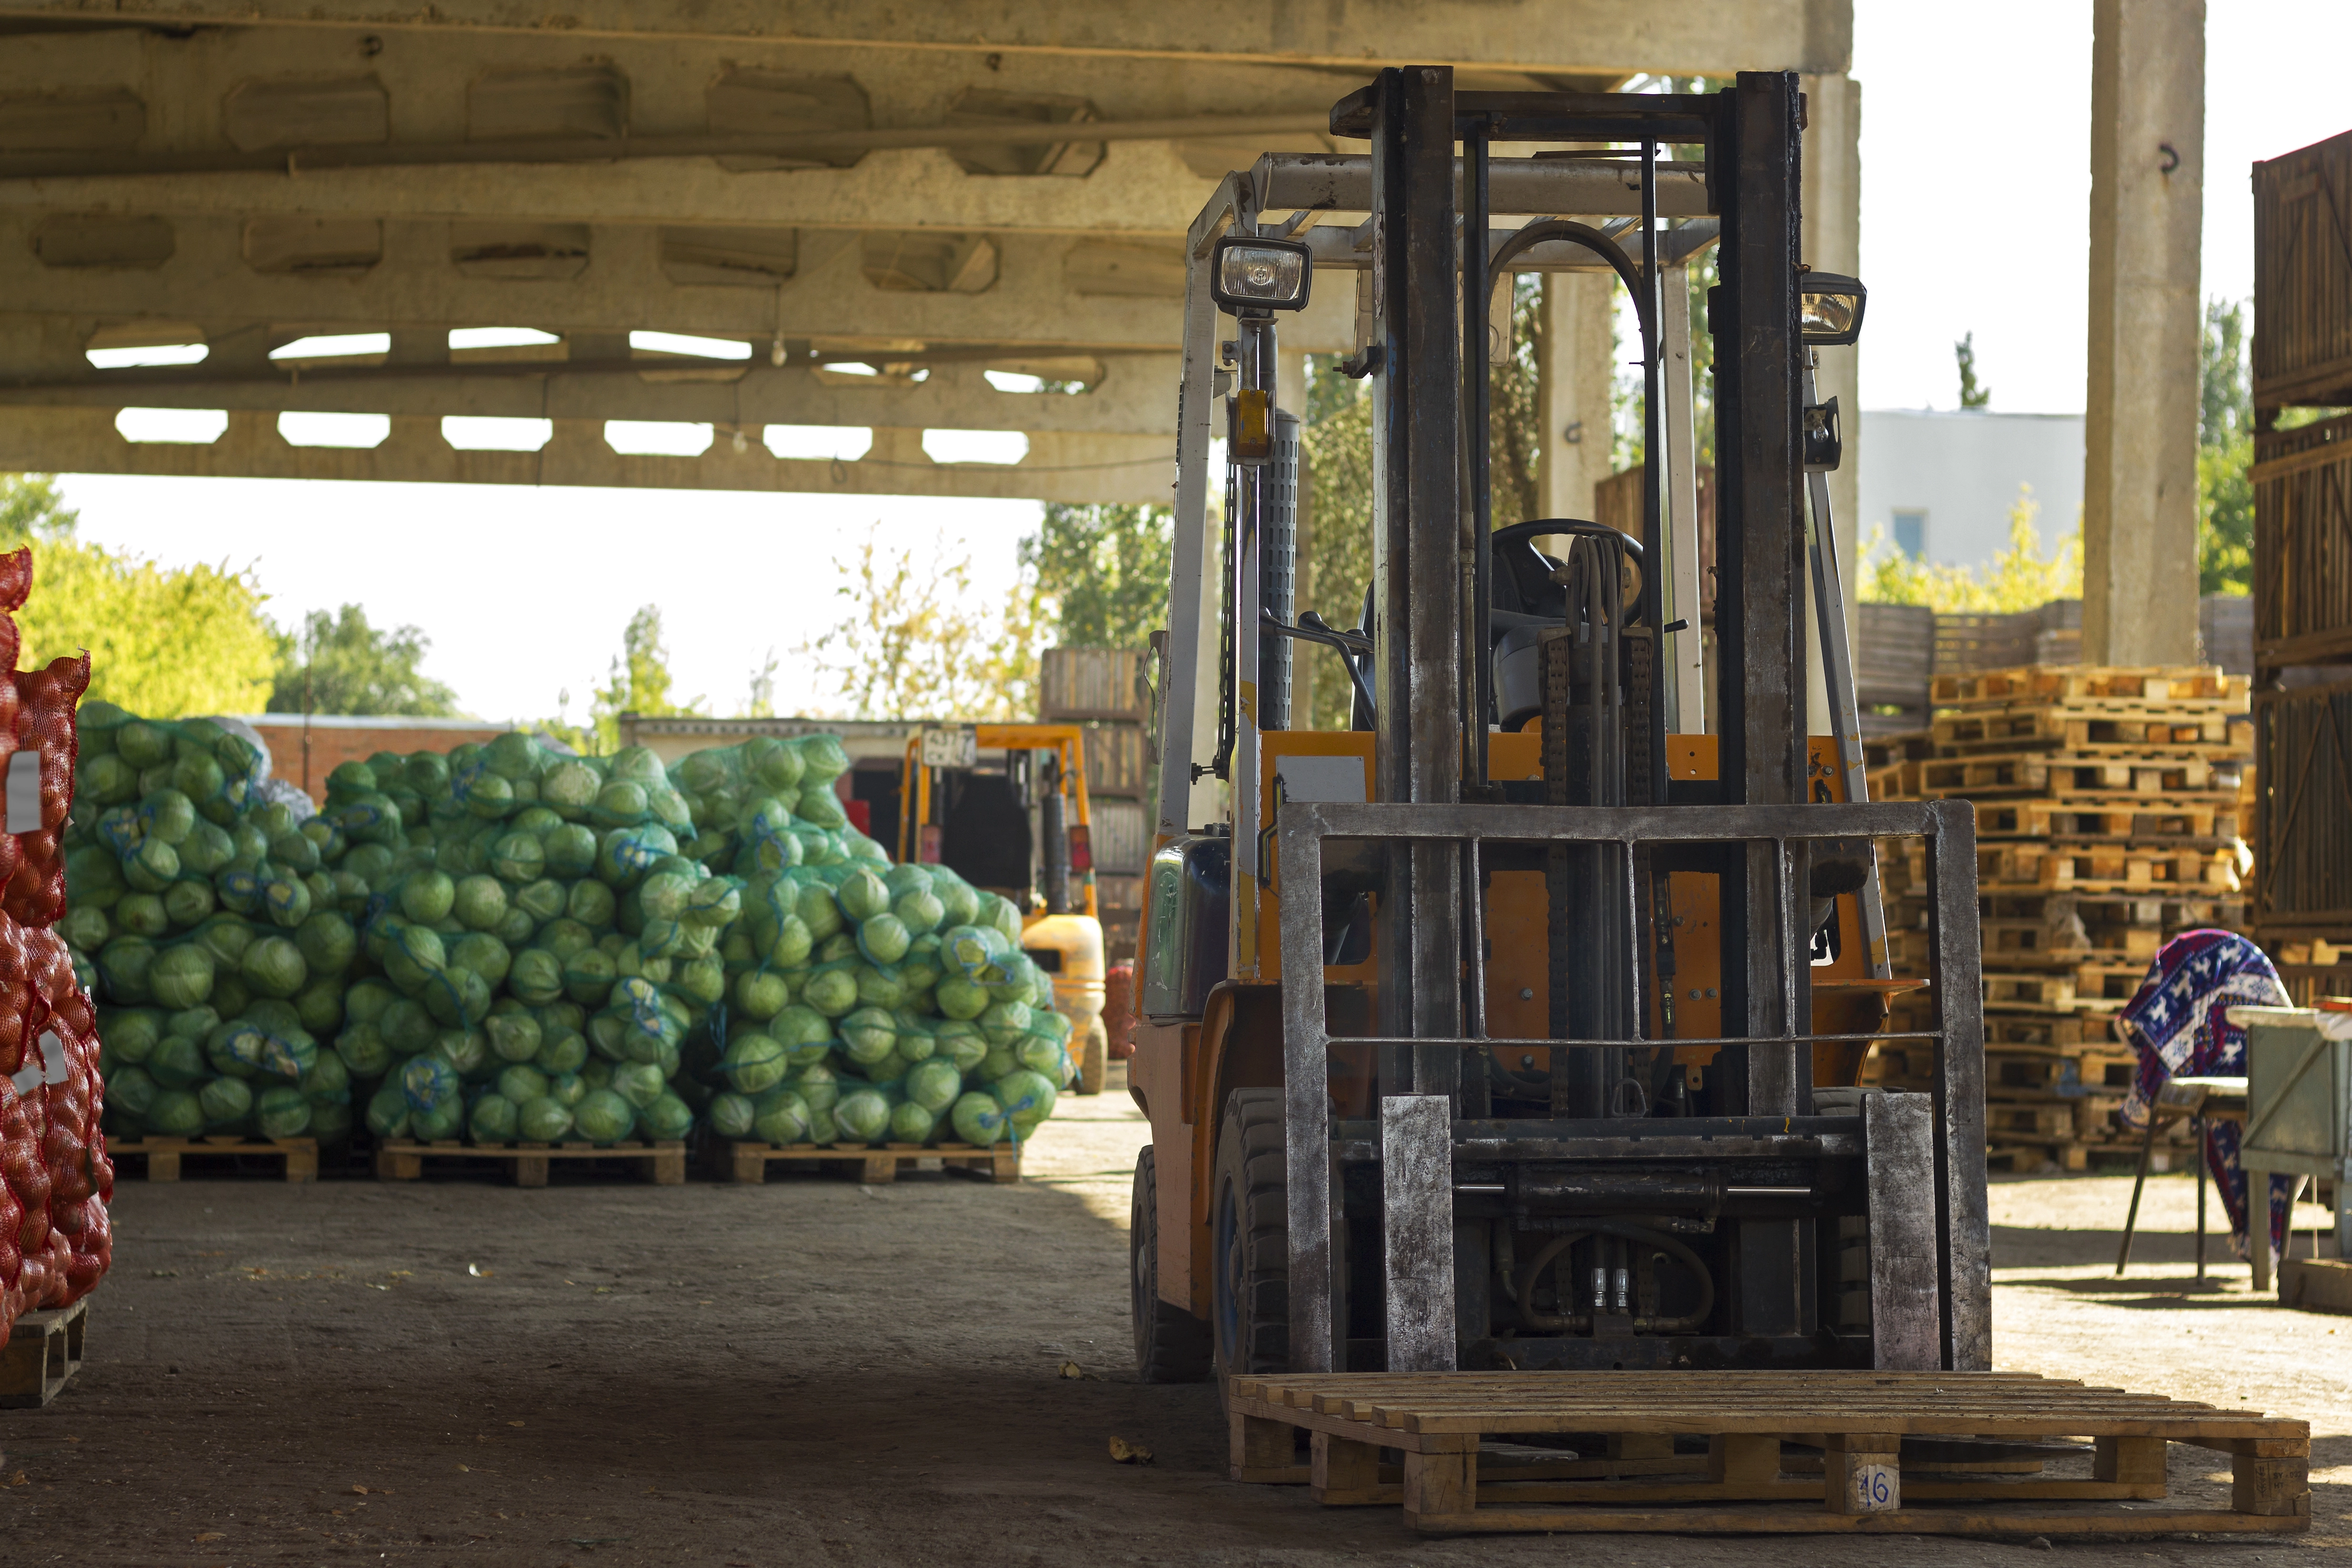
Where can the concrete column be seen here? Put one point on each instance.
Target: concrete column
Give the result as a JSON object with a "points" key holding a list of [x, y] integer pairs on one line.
{"points": [[1833, 243], [1575, 377], [2140, 468]]}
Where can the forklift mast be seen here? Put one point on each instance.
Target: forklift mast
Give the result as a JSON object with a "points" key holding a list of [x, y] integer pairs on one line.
{"points": [[1553, 998]]}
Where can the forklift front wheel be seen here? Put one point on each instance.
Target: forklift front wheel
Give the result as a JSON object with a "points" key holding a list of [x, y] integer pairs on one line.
{"points": [[1249, 1222], [1172, 1345]]}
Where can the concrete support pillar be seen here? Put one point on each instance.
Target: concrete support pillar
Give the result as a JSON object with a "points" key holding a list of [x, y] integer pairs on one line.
{"points": [[1575, 378], [1833, 243], [2139, 469]]}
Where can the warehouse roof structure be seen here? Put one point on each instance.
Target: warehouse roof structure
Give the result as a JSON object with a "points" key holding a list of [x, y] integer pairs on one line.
{"points": [[908, 251]]}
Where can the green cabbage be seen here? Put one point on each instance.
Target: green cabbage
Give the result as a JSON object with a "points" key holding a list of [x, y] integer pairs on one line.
{"points": [[978, 1119], [280, 1112], [541, 1119], [934, 1085], [478, 902], [536, 976], [731, 1114], [180, 977], [755, 1063], [862, 895], [227, 1104], [863, 1116], [1027, 1098], [492, 1119], [561, 1053], [274, 966], [668, 1118], [176, 1114], [912, 1123], [427, 896], [569, 851], [604, 1117]]}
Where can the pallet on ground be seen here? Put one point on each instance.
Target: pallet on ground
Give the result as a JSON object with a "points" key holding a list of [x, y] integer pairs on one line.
{"points": [[405, 1159], [749, 1162], [2170, 685], [43, 1352], [163, 1157], [1440, 1424]]}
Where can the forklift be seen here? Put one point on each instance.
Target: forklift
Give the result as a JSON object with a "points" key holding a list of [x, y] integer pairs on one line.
{"points": [[1004, 806], [1521, 1025]]}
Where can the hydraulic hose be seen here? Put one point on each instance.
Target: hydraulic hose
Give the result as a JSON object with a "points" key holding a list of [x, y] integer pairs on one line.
{"points": [[1581, 1322]]}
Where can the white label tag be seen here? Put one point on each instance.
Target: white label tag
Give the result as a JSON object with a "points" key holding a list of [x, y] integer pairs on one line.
{"points": [[945, 748], [24, 792], [1878, 1489], [51, 1068]]}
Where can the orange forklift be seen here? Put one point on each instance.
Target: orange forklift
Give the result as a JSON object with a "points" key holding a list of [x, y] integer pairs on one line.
{"points": [[1005, 805], [1521, 1024]]}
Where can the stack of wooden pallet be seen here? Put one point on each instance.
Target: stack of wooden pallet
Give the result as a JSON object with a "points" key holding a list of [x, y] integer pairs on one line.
{"points": [[2108, 819]]}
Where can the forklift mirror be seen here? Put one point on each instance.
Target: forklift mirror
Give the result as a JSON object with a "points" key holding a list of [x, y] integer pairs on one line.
{"points": [[1251, 274], [1829, 307]]}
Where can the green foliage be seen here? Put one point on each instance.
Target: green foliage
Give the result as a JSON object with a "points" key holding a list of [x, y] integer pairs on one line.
{"points": [[1335, 543], [1102, 573], [340, 664], [1973, 393], [2020, 578], [916, 642], [163, 642], [639, 683], [2225, 453]]}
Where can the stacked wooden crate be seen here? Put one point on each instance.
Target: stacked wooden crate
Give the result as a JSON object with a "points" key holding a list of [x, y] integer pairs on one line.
{"points": [[1103, 691], [2109, 818]]}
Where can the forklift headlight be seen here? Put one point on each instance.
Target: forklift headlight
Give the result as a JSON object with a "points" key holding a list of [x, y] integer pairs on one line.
{"points": [[1829, 307], [1252, 274]]}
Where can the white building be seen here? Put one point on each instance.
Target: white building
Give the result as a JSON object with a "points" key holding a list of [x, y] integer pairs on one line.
{"points": [[1938, 485]]}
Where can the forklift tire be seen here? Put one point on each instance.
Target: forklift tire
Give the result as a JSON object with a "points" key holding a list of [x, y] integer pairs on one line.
{"points": [[1249, 1239], [1172, 1345], [1094, 1059]]}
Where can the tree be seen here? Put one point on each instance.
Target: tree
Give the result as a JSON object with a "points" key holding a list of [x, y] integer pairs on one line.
{"points": [[2020, 578], [640, 681], [1973, 394], [1102, 573], [915, 642], [340, 664], [1334, 562], [165, 643], [2225, 453]]}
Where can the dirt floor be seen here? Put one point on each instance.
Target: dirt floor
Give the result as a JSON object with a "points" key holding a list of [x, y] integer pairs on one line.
{"points": [[814, 1371]]}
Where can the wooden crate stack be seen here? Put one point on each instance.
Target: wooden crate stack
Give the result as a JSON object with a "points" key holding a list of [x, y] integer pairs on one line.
{"points": [[1103, 691], [2109, 818]]}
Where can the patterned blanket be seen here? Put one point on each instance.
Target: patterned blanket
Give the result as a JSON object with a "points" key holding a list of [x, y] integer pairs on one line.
{"points": [[2179, 1023]]}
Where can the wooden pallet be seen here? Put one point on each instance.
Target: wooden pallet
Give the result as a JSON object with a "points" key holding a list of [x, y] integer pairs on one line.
{"points": [[2075, 727], [404, 1160], [2136, 770], [1450, 1482], [2144, 871], [2110, 817], [163, 1154], [2164, 685], [43, 1352], [1001, 1163]]}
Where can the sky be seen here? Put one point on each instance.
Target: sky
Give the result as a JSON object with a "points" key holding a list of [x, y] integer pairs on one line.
{"points": [[1976, 198], [1976, 181]]}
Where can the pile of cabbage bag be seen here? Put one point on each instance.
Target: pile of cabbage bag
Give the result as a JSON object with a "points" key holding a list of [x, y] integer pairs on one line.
{"points": [[511, 942]]}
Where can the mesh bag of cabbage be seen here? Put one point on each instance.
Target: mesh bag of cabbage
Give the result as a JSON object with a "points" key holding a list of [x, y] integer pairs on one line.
{"points": [[35, 891]]}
